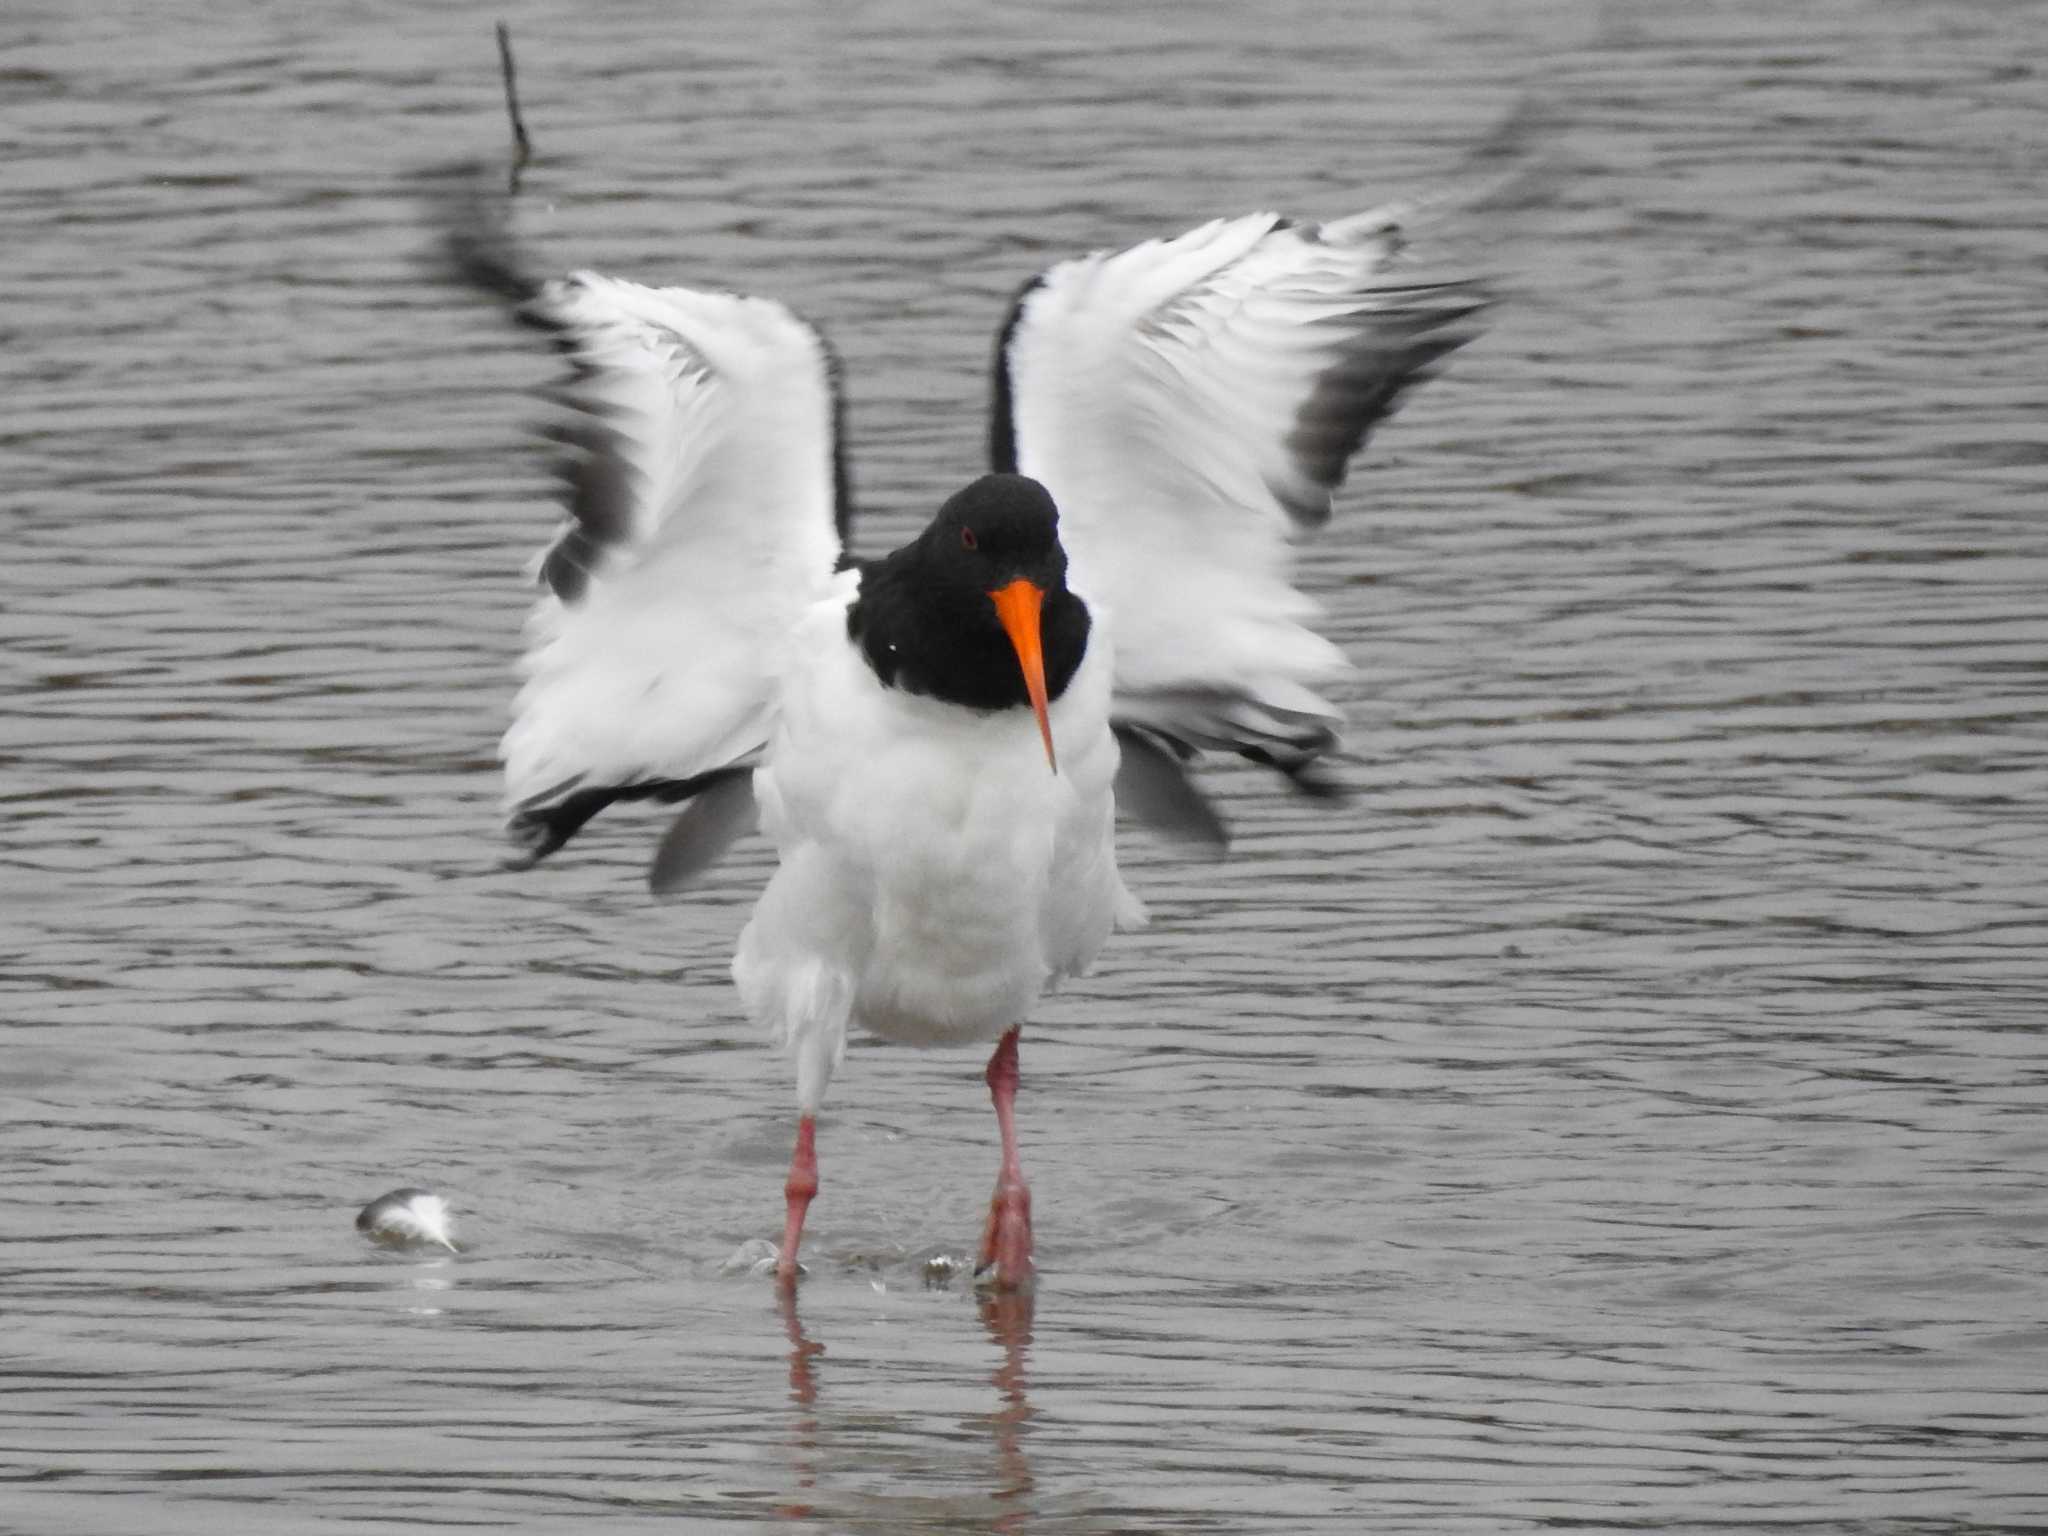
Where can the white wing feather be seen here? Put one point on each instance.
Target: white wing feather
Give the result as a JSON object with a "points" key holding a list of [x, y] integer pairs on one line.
{"points": [[702, 523], [1190, 404]]}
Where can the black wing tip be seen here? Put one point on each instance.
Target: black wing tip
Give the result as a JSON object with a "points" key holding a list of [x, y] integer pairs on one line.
{"points": [[476, 245], [1365, 386], [478, 250], [1153, 783], [1313, 780], [544, 822], [1308, 510], [536, 834], [1304, 762], [1403, 331], [1292, 755]]}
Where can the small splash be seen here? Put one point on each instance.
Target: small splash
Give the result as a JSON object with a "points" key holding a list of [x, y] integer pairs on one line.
{"points": [[756, 1256]]}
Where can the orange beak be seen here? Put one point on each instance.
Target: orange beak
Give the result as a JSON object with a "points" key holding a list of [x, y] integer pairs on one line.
{"points": [[1017, 606]]}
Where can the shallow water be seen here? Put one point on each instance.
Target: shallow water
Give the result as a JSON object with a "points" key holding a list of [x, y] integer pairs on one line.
{"points": [[1626, 1114]]}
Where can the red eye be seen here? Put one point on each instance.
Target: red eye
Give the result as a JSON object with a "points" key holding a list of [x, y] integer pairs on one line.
{"points": [[967, 539]]}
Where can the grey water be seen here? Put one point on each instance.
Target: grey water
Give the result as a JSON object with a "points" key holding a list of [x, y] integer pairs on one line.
{"points": [[1625, 1114]]}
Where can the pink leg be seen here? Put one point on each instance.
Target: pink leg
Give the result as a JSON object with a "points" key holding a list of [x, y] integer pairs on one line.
{"points": [[1005, 1261], [797, 1190]]}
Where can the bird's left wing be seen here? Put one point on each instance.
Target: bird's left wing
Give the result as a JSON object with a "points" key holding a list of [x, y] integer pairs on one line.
{"points": [[1191, 404], [699, 438]]}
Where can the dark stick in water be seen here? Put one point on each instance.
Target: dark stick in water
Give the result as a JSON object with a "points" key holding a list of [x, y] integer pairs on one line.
{"points": [[522, 147]]}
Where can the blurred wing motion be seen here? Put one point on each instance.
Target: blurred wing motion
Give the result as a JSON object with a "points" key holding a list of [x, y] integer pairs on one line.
{"points": [[1191, 404], [699, 438]]}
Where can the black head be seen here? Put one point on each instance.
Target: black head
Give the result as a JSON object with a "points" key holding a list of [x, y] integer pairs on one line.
{"points": [[996, 530], [976, 610]]}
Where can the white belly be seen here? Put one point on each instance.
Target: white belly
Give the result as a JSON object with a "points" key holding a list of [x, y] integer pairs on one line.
{"points": [[936, 873]]}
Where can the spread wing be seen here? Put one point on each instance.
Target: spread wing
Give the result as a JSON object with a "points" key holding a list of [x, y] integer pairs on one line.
{"points": [[700, 466], [1191, 404]]}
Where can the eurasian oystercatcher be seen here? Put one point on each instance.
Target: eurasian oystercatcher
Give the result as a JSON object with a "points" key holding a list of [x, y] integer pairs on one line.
{"points": [[938, 740]]}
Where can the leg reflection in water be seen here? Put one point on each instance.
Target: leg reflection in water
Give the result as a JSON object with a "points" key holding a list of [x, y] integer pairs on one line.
{"points": [[803, 1393], [1007, 1317], [828, 1449]]}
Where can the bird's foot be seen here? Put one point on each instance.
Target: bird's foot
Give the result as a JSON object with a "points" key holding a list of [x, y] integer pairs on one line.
{"points": [[1005, 1260]]}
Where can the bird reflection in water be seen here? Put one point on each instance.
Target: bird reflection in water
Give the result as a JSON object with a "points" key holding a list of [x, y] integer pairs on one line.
{"points": [[1006, 1315]]}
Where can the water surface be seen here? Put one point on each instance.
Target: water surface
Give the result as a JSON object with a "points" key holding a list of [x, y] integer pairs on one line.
{"points": [[1625, 1115]]}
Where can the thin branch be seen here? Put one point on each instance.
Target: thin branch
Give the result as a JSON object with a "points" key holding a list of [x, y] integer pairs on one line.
{"points": [[522, 147]]}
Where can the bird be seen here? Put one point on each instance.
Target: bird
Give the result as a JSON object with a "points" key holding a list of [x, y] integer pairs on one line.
{"points": [[938, 740]]}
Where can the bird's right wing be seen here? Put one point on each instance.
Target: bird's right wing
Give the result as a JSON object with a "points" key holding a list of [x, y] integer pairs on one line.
{"points": [[700, 461]]}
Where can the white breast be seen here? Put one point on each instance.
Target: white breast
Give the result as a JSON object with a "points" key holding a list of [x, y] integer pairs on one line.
{"points": [[936, 873]]}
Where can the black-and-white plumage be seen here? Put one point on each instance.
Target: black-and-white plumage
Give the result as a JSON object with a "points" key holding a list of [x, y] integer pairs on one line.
{"points": [[1191, 404], [699, 455], [932, 738]]}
